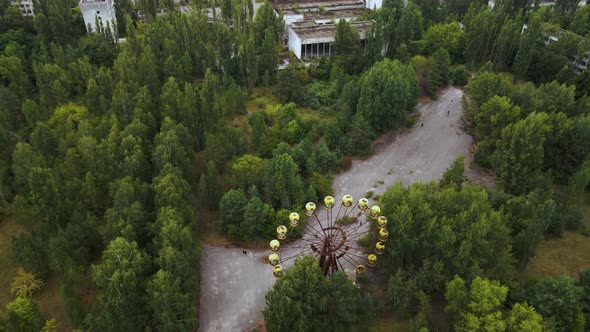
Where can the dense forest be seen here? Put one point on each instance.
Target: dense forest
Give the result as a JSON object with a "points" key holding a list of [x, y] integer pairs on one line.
{"points": [[119, 157]]}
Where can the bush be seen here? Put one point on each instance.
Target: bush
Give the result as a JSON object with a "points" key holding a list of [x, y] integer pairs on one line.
{"points": [[460, 75], [24, 315], [575, 219], [73, 304]]}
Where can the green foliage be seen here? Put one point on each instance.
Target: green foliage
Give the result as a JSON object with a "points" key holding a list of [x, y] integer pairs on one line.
{"points": [[435, 231], [24, 284], [454, 175], [520, 154], [289, 86], [460, 75], [314, 302], [282, 183], [558, 300], [530, 217], [388, 93], [172, 307], [481, 307], [449, 36], [121, 278], [24, 315], [231, 208], [347, 40]]}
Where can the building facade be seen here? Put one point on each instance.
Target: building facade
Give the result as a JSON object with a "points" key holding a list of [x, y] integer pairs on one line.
{"points": [[25, 6], [101, 12], [308, 41]]}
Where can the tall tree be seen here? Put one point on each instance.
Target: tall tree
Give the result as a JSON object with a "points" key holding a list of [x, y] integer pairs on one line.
{"points": [[520, 154], [388, 93], [121, 277], [347, 40]]}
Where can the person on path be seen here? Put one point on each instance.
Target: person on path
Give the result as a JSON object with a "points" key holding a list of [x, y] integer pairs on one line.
{"points": [[448, 112]]}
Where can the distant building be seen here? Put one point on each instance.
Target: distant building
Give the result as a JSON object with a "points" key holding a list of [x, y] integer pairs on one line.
{"points": [[98, 11], [311, 24], [580, 64], [309, 40], [25, 6]]}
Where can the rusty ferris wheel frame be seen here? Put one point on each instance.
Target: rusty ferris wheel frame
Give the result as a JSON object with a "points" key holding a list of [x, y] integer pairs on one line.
{"points": [[331, 242]]}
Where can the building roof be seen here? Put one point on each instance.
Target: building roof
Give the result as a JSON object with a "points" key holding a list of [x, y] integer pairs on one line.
{"points": [[327, 30], [292, 6], [335, 14]]}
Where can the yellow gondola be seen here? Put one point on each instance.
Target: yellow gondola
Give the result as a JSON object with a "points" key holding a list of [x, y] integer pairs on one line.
{"points": [[273, 259], [275, 245], [310, 209], [363, 204], [379, 248], [383, 234], [347, 200], [360, 270], [282, 232], [294, 219], [381, 222], [277, 270], [329, 202], [375, 211], [372, 260]]}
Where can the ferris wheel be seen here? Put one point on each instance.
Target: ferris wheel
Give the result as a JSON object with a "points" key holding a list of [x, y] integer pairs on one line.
{"points": [[331, 239]]}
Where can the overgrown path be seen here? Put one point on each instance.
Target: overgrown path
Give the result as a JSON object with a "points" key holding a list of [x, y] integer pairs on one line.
{"points": [[233, 285]]}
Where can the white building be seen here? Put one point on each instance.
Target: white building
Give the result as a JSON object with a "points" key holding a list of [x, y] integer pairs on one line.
{"points": [[98, 11], [310, 40], [25, 6]]}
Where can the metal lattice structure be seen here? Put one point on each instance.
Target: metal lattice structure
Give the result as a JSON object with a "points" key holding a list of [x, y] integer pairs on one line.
{"points": [[331, 241]]}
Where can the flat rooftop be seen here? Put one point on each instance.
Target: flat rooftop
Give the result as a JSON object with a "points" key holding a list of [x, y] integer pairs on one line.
{"points": [[327, 30], [331, 14], [293, 6]]}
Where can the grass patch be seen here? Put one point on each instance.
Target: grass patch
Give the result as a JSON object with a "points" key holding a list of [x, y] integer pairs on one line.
{"points": [[369, 194], [390, 171], [562, 256], [8, 229], [48, 296], [346, 221]]}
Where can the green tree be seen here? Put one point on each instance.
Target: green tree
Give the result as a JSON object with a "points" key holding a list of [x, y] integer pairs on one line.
{"points": [[479, 307], [526, 48], [172, 308], [231, 208], [120, 278], [388, 92], [520, 154], [248, 170], [523, 317], [305, 300], [347, 40], [455, 174], [282, 183], [24, 284], [212, 185], [449, 36], [436, 230], [506, 43], [558, 300], [289, 87], [24, 315]]}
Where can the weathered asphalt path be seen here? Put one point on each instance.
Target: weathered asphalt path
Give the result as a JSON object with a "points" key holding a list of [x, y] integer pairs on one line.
{"points": [[233, 285]]}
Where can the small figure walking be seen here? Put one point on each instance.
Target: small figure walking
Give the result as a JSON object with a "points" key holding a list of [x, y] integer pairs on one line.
{"points": [[448, 112], [244, 252], [422, 124]]}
